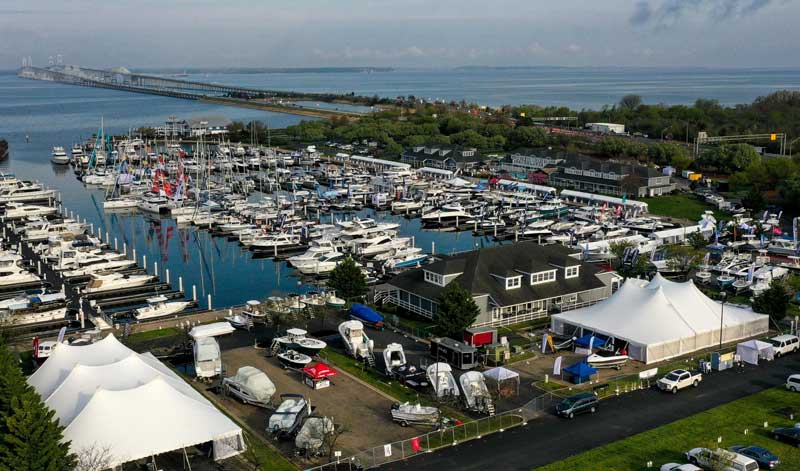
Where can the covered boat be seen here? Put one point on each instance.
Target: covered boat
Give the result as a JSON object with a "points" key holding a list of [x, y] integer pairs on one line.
{"points": [[251, 386], [414, 414], [366, 315], [476, 394], [287, 418], [310, 440], [207, 358], [393, 357], [440, 375]]}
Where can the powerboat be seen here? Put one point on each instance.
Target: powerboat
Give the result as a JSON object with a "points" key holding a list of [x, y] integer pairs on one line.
{"points": [[604, 359], [393, 357], [33, 308], [160, 306], [207, 358], [296, 339], [311, 437], [120, 203], [325, 264], [414, 414], [153, 203], [20, 210], [476, 394], [440, 375], [59, 156], [110, 281], [356, 342], [334, 302], [287, 418], [293, 359], [240, 321]]}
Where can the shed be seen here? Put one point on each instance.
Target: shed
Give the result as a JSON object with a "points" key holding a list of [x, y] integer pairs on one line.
{"points": [[479, 336], [754, 350]]}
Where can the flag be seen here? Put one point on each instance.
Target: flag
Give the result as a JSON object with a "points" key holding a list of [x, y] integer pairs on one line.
{"points": [[544, 342], [36, 347], [794, 230], [61, 334], [765, 215], [557, 367]]}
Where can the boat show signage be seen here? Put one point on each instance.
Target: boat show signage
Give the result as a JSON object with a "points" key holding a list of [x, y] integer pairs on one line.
{"points": [[387, 450]]}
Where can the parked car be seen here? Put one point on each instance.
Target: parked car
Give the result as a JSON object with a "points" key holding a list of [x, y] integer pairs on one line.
{"points": [[793, 383], [679, 379], [762, 456], [719, 459], [790, 435], [578, 404], [784, 344], [679, 467]]}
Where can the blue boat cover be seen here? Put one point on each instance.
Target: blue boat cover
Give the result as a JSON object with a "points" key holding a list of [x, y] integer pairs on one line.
{"points": [[586, 339], [365, 314]]}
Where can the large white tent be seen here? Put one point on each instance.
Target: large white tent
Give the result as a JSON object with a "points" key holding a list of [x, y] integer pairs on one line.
{"points": [[106, 395], [662, 319]]}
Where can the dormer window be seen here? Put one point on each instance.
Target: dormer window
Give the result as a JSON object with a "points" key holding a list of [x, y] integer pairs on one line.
{"points": [[572, 272], [513, 282], [543, 277], [434, 278]]}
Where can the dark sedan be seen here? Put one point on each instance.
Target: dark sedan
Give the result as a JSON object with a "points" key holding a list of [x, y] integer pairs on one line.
{"points": [[762, 456], [790, 435]]}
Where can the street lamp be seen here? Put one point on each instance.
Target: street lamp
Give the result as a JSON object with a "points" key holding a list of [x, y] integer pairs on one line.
{"points": [[722, 295]]}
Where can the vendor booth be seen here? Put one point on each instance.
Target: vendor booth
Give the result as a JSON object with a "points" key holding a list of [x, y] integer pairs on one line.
{"points": [[754, 350], [317, 375], [503, 380], [580, 373]]}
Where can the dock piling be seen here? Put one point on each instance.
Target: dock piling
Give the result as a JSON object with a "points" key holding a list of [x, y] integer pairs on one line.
{"points": [[155, 269], [180, 284], [144, 262], [167, 274], [116, 249], [209, 301], [194, 293], [433, 247]]}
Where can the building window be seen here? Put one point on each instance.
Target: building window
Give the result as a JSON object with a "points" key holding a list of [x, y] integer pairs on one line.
{"points": [[543, 277], [434, 278], [513, 283], [571, 272]]}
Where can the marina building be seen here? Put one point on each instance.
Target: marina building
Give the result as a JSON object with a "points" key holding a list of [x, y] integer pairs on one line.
{"points": [[444, 157], [510, 283], [606, 128], [612, 178], [526, 161]]}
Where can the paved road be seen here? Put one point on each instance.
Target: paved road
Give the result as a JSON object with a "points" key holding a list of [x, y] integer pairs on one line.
{"points": [[549, 439]]}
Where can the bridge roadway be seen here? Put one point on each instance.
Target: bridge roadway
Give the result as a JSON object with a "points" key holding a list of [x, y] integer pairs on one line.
{"points": [[229, 95]]}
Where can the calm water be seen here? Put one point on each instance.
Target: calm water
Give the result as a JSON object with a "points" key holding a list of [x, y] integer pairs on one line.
{"points": [[53, 114], [576, 88]]}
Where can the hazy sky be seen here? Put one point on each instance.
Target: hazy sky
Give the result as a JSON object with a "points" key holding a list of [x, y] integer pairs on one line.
{"points": [[180, 33]]}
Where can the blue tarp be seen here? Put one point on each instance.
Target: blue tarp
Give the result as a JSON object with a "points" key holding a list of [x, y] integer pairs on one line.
{"points": [[586, 339], [366, 315], [581, 372]]}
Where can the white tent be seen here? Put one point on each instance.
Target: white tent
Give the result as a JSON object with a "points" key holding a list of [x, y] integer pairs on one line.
{"points": [[149, 420], [662, 319], [754, 350], [105, 394], [501, 377]]}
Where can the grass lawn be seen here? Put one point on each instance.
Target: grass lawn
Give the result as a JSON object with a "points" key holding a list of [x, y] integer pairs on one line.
{"points": [[681, 206], [153, 334], [668, 443]]}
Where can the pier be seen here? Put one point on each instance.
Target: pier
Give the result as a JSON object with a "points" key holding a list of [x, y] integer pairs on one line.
{"points": [[123, 80]]}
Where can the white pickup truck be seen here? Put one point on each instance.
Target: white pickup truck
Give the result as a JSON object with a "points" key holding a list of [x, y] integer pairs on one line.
{"points": [[679, 379]]}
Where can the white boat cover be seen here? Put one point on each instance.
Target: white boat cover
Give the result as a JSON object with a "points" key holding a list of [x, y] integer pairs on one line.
{"points": [[286, 414], [753, 350], [441, 377], [474, 387], [662, 319], [94, 388], [256, 382], [211, 330], [311, 436]]}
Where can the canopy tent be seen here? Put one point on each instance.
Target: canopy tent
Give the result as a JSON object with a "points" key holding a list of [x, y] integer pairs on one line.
{"points": [[590, 341], [319, 371], [505, 380], [754, 350], [580, 372], [661, 319], [105, 394]]}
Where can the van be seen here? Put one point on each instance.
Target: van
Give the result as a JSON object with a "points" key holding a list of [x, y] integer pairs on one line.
{"points": [[793, 383], [784, 344], [578, 404], [720, 459]]}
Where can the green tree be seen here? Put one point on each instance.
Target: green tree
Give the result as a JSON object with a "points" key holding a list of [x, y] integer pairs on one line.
{"points": [[754, 200], [774, 301], [348, 280], [30, 436], [697, 240], [527, 136], [630, 102], [456, 310]]}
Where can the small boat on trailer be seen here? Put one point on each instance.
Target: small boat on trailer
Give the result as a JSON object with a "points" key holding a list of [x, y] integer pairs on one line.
{"points": [[414, 414], [605, 359], [293, 359]]}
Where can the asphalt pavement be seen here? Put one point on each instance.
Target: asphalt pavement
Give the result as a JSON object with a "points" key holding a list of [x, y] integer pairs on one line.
{"points": [[550, 438]]}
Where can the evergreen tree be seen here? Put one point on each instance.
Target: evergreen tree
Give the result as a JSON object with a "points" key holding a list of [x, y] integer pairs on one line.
{"points": [[774, 301], [348, 280], [456, 310], [30, 437]]}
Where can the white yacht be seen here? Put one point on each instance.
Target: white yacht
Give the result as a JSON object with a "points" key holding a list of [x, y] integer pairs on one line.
{"points": [[26, 192], [33, 308], [110, 281], [782, 247], [153, 203], [160, 306], [11, 273], [276, 242], [59, 156], [20, 210], [120, 203], [324, 264]]}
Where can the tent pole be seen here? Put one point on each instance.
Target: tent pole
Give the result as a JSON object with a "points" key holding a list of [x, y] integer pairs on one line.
{"points": [[187, 459]]}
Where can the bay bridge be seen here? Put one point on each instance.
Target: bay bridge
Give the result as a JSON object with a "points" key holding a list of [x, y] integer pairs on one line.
{"points": [[122, 79]]}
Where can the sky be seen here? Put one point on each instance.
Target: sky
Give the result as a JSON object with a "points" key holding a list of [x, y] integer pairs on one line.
{"points": [[401, 33]]}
